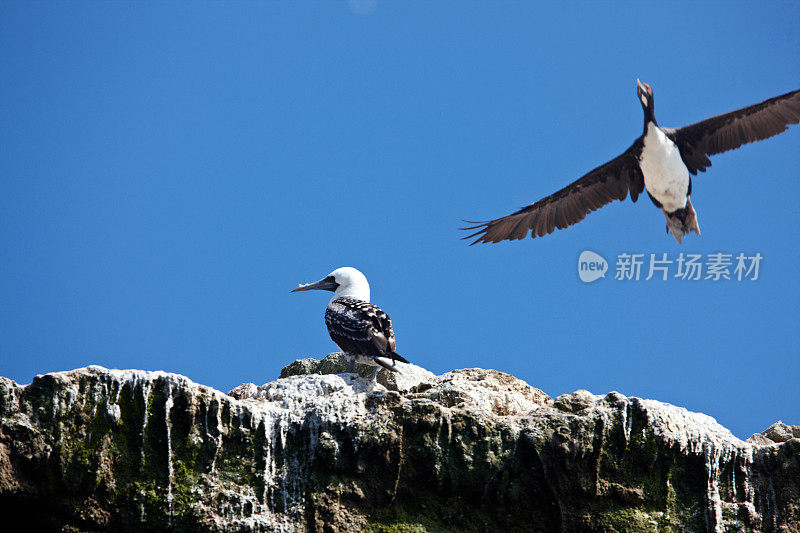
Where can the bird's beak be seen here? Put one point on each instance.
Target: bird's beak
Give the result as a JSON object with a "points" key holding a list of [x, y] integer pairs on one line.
{"points": [[641, 87], [326, 284]]}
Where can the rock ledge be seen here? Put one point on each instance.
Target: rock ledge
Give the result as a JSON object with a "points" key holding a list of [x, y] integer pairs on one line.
{"points": [[323, 450]]}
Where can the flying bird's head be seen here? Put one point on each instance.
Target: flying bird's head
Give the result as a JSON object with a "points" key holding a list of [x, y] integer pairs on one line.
{"points": [[344, 281], [645, 94]]}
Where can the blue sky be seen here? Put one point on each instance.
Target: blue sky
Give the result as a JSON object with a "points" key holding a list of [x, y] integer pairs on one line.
{"points": [[169, 171]]}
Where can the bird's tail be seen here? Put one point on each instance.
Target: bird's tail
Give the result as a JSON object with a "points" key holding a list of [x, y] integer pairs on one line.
{"points": [[385, 363], [397, 357], [388, 362], [682, 221]]}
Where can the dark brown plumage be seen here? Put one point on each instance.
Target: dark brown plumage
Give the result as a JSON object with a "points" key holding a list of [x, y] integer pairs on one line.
{"points": [[731, 130], [606, 183], [623, 175], [361, 328]]}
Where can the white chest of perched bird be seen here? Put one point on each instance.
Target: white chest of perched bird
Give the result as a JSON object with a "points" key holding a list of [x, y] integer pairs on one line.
{"points": [[666, 177], [360, 328]]}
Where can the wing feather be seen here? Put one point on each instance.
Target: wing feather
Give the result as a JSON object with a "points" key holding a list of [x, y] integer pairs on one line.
{"points": [[608, 182], [361, 328], [729, 131]]}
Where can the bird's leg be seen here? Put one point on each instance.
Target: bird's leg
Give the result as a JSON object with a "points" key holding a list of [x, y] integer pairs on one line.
{"points": [[375, 374], [352, 369]]}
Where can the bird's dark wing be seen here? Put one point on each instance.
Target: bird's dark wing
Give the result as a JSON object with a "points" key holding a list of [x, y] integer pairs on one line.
{"points": [[731, 130], [608, 182], [361, 327], [383, 323]]}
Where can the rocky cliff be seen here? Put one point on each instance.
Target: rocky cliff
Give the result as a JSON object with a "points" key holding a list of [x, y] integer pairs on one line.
{"points": [[322, 450]]}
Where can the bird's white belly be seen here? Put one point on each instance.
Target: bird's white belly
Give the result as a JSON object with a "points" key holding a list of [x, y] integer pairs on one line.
{"points": [[665, 176]]}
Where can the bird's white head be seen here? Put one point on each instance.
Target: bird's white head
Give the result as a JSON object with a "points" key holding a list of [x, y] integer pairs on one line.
{"points": [[344, 281]]}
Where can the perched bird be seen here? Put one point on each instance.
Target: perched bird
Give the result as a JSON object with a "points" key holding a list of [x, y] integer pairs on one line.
{"points": [[362, 331], [660, 161]]}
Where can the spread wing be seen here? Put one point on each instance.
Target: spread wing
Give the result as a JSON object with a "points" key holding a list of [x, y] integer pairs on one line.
{"points": [[360, 327], [731, 130], [608, 182]]}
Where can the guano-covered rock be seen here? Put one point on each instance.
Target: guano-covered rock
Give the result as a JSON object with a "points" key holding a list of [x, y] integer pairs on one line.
{"points": [[323, 450]]}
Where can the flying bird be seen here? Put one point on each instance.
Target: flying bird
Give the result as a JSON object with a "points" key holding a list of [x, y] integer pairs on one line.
{"points": [[360, 329], [660, 161]]}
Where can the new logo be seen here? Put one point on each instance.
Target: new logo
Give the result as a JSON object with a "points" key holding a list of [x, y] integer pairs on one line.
{"points": [[591, 266]]}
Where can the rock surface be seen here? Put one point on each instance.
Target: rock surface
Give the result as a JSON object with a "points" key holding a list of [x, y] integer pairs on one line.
{"points": [[407, 378], [323, 450]]}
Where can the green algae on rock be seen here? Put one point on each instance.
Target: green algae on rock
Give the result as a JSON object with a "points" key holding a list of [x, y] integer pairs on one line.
{"points": [[324, 450]]}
